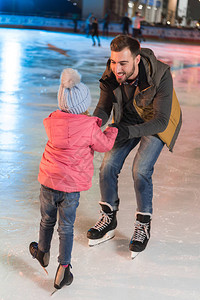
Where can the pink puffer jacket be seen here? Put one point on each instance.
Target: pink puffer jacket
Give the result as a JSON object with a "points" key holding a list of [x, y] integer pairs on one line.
{"points": [[67, 162]]}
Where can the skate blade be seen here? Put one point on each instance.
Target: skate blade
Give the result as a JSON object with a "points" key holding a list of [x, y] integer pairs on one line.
{"points": [[134, 254], [45, 270], [105, 238], [54, 292]]}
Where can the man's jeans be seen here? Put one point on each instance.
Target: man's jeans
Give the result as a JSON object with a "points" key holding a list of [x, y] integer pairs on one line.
{"points": [[142, 170], [66, 204]]}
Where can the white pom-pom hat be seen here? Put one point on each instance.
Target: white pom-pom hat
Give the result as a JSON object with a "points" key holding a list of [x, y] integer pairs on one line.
{"points": [[73, 95]]}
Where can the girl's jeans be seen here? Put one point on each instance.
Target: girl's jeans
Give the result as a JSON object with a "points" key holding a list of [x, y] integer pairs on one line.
{"points": [[142, 170], [66, 204]]}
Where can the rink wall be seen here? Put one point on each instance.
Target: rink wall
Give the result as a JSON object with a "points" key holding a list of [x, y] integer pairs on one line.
{"points": [[154, 32]]}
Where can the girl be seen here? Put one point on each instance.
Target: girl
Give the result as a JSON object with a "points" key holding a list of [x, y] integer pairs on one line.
{"points": [[66, 168]]}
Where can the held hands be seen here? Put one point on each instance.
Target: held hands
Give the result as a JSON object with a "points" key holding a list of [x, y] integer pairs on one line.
{"points": [[123, 132]]}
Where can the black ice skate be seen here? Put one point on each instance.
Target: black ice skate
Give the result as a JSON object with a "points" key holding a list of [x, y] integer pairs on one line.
{"points": [[63, 277], [42, 257], [103, 230], [141, 234]]}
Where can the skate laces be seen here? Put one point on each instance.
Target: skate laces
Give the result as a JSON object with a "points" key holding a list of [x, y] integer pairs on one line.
{"points": [[104, 221], [141, 232]]}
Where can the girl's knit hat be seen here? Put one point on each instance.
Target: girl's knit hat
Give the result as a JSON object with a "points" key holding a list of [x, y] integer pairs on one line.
{"points": [[73, 96]]}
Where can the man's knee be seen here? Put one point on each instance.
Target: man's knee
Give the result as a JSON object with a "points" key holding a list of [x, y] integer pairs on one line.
{"points": [[141, 173], [109, 169]]}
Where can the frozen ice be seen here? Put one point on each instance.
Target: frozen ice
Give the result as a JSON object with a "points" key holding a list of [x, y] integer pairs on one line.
{"points": [[169, 268]]}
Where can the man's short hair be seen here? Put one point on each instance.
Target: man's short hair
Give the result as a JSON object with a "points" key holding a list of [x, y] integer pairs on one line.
{"points": [[120, 42]]}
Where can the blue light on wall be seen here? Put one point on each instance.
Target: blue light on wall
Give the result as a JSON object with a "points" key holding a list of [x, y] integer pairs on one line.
{"points": [[40, 8]]}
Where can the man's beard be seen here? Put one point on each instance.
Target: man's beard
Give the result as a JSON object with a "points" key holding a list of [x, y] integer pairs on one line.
{"points": [[127, 76]]}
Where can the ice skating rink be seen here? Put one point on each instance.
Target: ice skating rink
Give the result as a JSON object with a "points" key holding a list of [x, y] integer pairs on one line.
{"points": [[30, 65]]}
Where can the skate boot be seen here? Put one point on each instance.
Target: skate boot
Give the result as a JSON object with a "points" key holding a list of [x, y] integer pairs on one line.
{"points": [[42, 257], [63, 276], [141, 234], [103, 230]]}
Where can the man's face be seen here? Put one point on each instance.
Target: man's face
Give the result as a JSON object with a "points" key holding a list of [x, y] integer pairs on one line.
{"points": [[124, 65]]}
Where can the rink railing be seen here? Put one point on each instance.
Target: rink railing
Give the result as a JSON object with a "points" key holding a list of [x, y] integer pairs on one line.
{"points": [[67, 25]]}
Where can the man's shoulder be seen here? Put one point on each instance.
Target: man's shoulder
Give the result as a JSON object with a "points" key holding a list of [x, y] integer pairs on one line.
{"points": [[148, 56], [153, 67], [147, 52]]}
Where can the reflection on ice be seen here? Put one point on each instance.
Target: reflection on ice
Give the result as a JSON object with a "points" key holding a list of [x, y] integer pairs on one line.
{"points": [[10, 65]]}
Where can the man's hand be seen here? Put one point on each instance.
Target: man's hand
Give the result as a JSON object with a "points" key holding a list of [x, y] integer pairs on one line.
{"points": [[123, 132]]}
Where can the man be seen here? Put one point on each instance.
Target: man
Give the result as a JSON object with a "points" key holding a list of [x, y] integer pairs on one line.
{"points": [[106, 22], [95, 32], [139, 90], [136, 26], [88, 24], [125, 24]]}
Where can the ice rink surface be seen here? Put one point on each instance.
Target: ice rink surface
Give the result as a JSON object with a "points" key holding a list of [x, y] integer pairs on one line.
{"points": [[30, 66]]}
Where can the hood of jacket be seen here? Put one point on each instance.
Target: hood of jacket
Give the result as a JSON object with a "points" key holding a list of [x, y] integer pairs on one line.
{"points": [[63, 128], [154, 68]]}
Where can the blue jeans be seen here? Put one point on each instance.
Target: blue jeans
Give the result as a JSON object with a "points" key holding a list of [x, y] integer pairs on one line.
{"points": [[66, 204], [142, 170]]}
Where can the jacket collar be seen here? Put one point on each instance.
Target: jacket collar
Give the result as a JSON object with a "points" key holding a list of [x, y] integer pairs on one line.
{"points": [[142, 81]]}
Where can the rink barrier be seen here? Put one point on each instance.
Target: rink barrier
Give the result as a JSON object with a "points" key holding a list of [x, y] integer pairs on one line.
{"points": [[67, 25]]}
